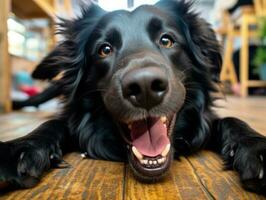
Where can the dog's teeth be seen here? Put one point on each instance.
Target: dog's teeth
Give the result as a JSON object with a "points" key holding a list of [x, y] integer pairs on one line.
{"points": [[145, 162], [150, 162], [166, 150], [137, 153], [160, 160], [261, 174], [154, 162], [163, 119]]}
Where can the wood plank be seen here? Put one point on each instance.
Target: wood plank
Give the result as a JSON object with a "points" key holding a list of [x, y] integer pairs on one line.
{"points": [[244, 57], [250, 110], [221, 184], [20, 131], [5, 72], [15, 124], [47, 7], [32, 10], [86, 179], [180, 183], [254, 83]]}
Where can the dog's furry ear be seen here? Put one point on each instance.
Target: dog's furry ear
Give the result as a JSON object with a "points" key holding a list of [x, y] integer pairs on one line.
{"points": [[69, 52], [201, 41], [52, 64], [204, 46]]}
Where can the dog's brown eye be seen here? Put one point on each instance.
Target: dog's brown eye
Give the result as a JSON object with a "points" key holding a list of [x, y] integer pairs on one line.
{"points": [[166, 41], [105, 50]]}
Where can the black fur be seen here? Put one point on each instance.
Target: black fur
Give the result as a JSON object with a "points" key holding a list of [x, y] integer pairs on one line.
{"points": [[90, 122]]}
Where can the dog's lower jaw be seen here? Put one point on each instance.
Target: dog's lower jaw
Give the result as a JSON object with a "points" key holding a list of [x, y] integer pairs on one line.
{"points": [[150, 175], [152, 166]]}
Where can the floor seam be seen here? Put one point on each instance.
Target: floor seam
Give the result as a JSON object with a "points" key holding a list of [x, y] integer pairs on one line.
{"points": [[124, 182], [209, 194]]}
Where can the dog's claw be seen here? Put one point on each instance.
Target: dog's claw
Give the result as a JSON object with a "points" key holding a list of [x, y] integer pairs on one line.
{"points": [[261, 158], [84, 155], [232, 153], [21, 155], [59, 162], [63, 164], [261, 174]]}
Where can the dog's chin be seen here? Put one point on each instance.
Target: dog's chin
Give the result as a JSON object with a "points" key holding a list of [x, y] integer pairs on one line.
{"points": [[149, 146]]}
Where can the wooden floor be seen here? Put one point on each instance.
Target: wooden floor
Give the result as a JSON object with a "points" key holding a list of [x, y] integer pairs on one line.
{"points": [[196, 177]]}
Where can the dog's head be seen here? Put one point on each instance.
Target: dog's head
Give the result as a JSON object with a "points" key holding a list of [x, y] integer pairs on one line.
{"points": [[144, 64]]}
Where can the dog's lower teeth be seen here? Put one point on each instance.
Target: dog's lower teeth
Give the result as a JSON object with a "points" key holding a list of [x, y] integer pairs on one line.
{"points": [[152, 162], [166, 150], [145, 162]]}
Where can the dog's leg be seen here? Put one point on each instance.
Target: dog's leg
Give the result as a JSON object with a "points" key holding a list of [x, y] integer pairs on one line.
{"points": [[23, 161], [243, 150], [49, 93]]}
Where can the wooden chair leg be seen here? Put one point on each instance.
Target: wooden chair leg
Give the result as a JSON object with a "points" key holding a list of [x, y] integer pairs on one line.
{"points": [[5, 72], [244, 57], [228, 70]]}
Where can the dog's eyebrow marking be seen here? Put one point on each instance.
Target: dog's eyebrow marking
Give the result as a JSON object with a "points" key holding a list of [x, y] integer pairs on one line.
{"points": [[113, 36], [154, 27]]}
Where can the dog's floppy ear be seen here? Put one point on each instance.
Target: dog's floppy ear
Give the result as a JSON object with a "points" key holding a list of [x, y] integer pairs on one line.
{"points": [[52, 64], [202, 44], [69, 52]]}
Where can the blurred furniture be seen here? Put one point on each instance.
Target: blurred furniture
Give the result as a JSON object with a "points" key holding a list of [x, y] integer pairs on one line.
{"points": [[50, 9], [25, 9], [243, 24], [41, 8]]}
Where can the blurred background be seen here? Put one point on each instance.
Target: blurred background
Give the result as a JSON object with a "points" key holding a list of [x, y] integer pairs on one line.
{"points": [[27, 34]]}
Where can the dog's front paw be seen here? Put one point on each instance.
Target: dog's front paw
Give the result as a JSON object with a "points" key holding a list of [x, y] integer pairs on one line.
{"points": [[249, 159], [23, 163]]}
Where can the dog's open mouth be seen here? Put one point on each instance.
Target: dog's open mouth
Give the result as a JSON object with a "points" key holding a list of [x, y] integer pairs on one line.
{"points": [[150, 146]]}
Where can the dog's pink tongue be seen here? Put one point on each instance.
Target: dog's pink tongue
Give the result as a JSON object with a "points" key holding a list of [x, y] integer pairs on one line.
{"points": [[149, 137]]}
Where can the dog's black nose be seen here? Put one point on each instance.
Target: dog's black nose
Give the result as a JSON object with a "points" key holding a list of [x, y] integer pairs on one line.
{"points": [[145, 87]]}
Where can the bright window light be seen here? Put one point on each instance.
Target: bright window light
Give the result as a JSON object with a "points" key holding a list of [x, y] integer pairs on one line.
{"points": [[113, 5], [141, 2], [15, 26], [122, 4]]}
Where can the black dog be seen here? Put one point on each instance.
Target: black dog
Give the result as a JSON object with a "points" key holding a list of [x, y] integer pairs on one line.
{"points": [[138, 86]]}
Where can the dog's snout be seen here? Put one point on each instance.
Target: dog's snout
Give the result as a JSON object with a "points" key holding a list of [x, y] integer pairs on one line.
{"points": [[145, 87]]}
